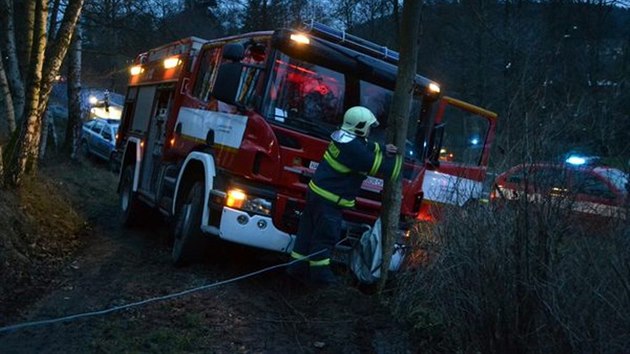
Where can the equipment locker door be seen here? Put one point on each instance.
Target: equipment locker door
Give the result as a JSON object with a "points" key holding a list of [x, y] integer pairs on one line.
{"points": [[155, 137]]}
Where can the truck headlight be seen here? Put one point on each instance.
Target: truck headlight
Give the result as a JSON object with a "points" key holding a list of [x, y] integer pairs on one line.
{"points": [[238, 199]]}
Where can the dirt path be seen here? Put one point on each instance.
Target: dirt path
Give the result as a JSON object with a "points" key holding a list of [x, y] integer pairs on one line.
{"points": [[116, 266]]}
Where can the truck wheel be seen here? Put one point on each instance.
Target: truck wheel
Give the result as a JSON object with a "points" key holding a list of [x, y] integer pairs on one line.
{"points": [[188, 240], [130, 207]]}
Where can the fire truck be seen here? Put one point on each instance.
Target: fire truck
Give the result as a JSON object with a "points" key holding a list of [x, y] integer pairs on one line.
{"points": [[222, 136]]}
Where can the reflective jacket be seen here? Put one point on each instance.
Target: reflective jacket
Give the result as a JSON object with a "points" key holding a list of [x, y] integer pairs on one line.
{"points": [[347, 162]]}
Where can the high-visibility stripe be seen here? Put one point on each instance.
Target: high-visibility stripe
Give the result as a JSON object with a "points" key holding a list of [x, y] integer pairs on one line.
{"points": [[332, 197], [336, 165], [377, 148], [323, 262], [397, 167], [296, 255], [378, 159], [333, 149]]}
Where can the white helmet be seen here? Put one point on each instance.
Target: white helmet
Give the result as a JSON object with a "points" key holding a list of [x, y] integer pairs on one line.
{"points": [[358, 120]]}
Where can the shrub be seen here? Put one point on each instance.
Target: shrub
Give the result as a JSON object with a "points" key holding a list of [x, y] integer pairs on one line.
{"points": [[524, 278]]}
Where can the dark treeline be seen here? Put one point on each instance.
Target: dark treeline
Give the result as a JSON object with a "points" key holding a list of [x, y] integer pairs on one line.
{"points": [[557, 72]]}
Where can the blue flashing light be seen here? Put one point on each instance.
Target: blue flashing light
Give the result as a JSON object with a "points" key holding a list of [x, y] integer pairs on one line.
{"points": [[474, 141], [576, 160]]}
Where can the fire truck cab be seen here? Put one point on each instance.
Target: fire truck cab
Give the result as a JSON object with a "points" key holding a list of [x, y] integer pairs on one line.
{"points": [[222, 136]]}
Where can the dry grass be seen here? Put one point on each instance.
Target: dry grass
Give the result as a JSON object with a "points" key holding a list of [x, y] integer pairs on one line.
{"points": [[39, 230], [521, 279]]}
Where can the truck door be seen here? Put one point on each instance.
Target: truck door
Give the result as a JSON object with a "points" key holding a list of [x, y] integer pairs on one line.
{"points": [[465, 138]]}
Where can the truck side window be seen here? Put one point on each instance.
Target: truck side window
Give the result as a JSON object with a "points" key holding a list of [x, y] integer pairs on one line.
{"points": [[306, 96], [207, 73], [464, 136], [253, 65]]}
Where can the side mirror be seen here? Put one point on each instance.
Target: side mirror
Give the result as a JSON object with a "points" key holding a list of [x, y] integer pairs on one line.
{"points": [[227, 82]]}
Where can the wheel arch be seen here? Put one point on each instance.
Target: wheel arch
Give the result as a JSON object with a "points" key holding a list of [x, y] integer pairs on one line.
{"points": [[198, 166]]}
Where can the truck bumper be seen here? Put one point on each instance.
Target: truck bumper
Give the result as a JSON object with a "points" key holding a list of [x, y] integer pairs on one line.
{"points": [[253, 230]]}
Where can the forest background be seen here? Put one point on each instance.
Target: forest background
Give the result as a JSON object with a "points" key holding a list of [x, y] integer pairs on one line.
{"points": [[557, 72]]}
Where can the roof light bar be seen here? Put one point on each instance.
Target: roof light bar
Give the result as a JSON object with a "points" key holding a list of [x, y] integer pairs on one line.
{"points": [[300, 38], [135, 70], [354, 42], [171, 62]]}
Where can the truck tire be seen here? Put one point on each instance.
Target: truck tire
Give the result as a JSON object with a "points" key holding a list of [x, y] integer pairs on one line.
{"points": [[188, 240], [131, 209]]}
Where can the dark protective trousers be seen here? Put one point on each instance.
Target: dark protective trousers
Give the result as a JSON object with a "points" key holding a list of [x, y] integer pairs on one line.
{"points": [[319, 228]]}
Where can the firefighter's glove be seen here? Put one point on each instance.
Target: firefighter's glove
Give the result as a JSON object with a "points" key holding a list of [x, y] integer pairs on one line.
{"points": [[391, 149]]}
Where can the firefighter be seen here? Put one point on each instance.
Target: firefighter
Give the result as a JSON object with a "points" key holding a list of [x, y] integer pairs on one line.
{"points": [[347, 162]]}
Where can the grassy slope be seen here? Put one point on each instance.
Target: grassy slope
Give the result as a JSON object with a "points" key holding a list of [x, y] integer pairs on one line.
{"points": [[40, 228]]}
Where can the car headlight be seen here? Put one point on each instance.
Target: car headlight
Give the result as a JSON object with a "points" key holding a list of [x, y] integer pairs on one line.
{"points": [[238, 199]]}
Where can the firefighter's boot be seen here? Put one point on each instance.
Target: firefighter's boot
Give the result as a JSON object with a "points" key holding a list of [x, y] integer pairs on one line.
{"points": [[323, 276]]}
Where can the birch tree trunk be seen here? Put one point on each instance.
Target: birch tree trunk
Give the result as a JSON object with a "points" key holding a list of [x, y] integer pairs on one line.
{"points": [[7, 126], [75, 114], [43, 140], [49, 132], [57, 51], [42, 74], [54, 13], [26, 153], [28, 35], [399, 118], [13, 73]]}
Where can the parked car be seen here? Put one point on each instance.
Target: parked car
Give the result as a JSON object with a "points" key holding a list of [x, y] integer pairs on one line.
{"points": [[593, 192], [98, 138]]}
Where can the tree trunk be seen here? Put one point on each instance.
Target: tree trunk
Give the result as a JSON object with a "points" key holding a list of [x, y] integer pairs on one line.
{"points": [[43, 140], [57, 52], [49, 132], [9, 50], [396, 12], [75, 115], [42, 74], [399, 118], [25, 158], [1, 169], [6, 126], [54, 13], [28, 38]]}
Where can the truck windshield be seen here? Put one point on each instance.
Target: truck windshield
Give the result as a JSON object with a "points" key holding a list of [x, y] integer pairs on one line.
{"points": [[312, 98]]}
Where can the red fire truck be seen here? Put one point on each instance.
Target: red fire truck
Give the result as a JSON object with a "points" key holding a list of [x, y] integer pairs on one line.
{"points": [[222, 136]]}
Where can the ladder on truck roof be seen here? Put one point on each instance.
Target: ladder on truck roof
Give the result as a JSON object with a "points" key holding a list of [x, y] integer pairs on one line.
{"points": [[184, 45], [353, 42]]}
